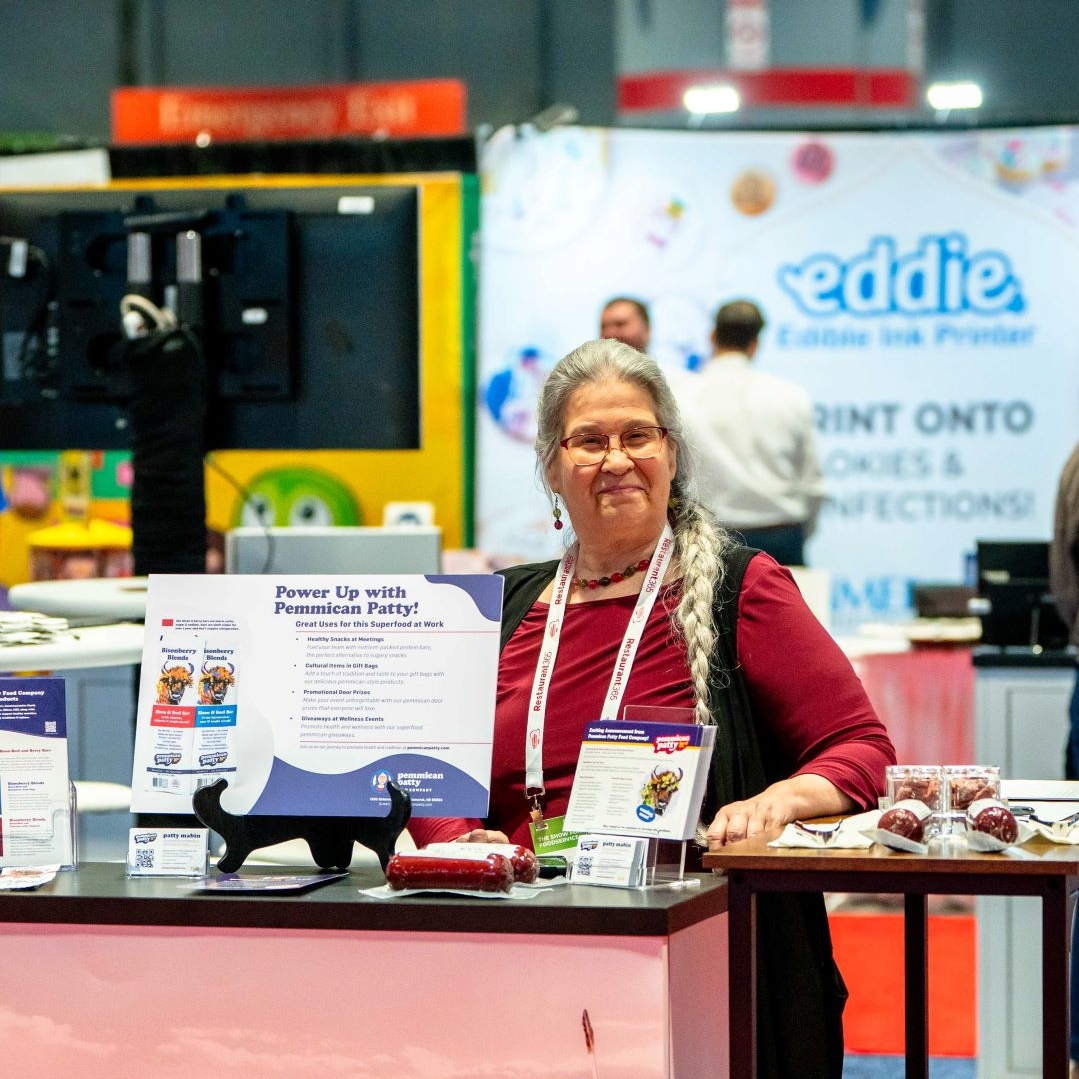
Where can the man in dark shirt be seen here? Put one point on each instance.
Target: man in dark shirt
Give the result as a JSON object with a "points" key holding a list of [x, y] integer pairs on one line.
{"points": [[1064, 586]]}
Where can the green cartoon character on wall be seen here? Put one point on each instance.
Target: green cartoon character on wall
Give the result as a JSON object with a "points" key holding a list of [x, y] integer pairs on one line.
{"points": [[297, 497]]}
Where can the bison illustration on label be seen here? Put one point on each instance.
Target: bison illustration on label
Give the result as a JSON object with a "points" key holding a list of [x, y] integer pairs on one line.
{"points": [[660, 788], [215, 681], [174, 681]]}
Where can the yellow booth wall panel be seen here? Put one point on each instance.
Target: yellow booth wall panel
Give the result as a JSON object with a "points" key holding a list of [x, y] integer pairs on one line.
{"points": [[345, 486], [32, 499]]}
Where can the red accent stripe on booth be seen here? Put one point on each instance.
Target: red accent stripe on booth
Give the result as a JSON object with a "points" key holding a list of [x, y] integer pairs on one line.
{"points": [[808, 87], [869, 952]]}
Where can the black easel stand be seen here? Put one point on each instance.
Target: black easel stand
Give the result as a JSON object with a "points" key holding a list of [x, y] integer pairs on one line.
{"points": [[330, 838], [168, 500], [168, 421]]}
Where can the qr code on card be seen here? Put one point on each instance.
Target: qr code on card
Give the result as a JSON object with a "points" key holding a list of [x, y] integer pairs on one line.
{"points": [[144, 858]]}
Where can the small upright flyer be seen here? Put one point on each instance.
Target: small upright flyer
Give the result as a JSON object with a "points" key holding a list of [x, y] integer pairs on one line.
{"points": [[640, 779], [310, 693], [35, 798]]}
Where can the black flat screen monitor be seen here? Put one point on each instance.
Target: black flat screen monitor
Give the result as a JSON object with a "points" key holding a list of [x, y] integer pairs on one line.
{"points": [[1022, 614], [1013, 575], [1007, 560], [307, 313]]}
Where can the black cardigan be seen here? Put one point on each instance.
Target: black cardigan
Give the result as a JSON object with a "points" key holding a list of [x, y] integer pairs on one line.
{"points": [[799, 989]]}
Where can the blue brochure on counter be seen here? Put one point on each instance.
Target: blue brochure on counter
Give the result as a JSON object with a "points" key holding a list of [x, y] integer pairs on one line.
{"points": [[35, 796], [640, 779], [231, 884]]}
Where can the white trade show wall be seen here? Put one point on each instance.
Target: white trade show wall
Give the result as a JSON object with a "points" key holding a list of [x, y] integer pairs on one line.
{"points": [[920, 285]]}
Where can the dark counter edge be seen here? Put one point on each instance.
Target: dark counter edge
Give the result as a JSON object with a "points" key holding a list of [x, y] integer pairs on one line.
{"points": [[100, 894], [987, 655]]}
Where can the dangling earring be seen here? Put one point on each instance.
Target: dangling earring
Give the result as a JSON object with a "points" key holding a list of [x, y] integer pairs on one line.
{"points": [[557, 512]]}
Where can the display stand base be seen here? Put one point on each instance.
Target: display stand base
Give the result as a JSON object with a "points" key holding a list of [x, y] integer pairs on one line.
{"points": [[330, 838], [666, 865]]}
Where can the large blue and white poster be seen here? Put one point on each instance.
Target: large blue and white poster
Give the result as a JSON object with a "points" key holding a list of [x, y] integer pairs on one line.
{"points": [[923, 287], [308, 694]]}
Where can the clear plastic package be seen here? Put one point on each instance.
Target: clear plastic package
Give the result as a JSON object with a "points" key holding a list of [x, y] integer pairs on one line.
{"points": [[922, 782], [991, 817], [949, 793], [906, 818], [904, 826], [969, 783]]}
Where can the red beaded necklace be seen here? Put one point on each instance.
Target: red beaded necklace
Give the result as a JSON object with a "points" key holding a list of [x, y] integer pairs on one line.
{"points": [[614, 578]]}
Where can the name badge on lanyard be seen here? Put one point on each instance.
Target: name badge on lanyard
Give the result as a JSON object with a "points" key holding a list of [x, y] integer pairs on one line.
{"points": [[627, 652]]}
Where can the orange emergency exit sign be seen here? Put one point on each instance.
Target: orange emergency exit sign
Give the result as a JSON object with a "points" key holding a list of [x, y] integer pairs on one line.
{"points": [[207, 114]]}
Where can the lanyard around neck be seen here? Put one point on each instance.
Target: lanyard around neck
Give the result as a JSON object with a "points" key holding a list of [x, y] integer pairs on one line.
{"points": [[552, 633]]}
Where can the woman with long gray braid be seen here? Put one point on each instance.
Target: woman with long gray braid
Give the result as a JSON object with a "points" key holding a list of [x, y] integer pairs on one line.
{"points": [[726, 636]]}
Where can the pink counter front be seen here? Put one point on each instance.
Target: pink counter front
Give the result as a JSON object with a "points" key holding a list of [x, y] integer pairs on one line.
{"points": [[105, 977]]}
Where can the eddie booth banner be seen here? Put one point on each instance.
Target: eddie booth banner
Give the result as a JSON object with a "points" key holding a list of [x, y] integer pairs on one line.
{"points": [[923, 287]]}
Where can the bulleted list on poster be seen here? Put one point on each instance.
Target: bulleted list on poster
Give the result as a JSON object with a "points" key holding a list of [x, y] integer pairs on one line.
{"points": [[35, 799], [640, 779], [309, 694]]}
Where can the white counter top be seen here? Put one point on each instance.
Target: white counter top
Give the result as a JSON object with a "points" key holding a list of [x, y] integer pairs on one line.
{"points": [[96, 597]]}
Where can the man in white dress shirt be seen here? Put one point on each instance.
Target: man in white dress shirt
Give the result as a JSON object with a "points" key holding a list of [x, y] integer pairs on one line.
{"points": [[754, 439]]}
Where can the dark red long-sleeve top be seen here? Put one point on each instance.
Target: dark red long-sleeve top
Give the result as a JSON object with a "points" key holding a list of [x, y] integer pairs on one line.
{"points": [[801, 686]]}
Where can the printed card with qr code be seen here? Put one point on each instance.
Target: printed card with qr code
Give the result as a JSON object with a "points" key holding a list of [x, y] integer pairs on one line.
{"points": [[168, 852]]}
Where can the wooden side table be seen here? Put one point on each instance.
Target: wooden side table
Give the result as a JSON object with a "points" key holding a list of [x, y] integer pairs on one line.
{"points": [[1039, 868]]}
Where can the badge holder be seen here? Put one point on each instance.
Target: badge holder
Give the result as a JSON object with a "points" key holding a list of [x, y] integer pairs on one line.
{"points": [[330, 839]]}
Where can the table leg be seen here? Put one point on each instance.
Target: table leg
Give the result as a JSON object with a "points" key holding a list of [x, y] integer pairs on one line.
{"points": [[916, 984], [1058, 906], [742, 967]]}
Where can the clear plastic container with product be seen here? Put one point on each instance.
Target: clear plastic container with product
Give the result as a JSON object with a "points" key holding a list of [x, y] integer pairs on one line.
{"points": [[966, 784], [920, 783]]}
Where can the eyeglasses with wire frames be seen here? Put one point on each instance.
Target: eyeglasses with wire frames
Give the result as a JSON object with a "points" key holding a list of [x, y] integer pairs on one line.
{"points": [[591, 447]]}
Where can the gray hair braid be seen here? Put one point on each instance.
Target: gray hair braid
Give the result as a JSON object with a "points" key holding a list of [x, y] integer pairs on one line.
{"points": [[700, 540], [701, 545]]}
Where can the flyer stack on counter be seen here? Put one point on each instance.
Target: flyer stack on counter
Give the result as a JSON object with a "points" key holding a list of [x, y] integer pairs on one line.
{"points": [[640, 779], [35, 802], [29, 627]]}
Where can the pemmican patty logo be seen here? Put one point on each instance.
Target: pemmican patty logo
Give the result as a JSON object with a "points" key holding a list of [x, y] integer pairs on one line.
{"points": [[942, 276]]}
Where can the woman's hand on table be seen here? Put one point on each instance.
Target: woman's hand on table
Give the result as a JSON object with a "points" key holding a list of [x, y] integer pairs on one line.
{"points": [[483, 835], [801, 797]]}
